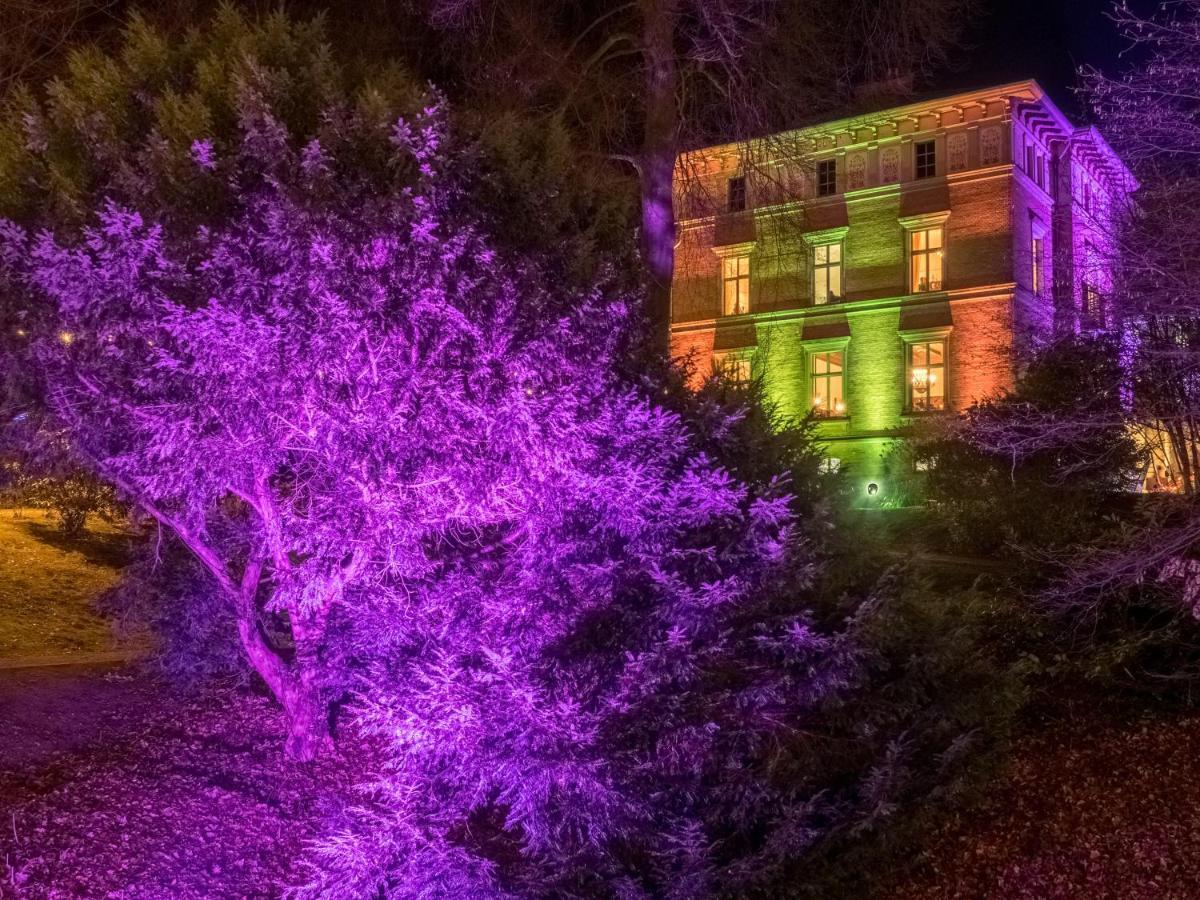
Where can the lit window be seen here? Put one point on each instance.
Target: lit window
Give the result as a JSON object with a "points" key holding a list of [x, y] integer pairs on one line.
{"points": [[827, 273], [735, 285], [737, 194], [926, 159], [1093, 307], [735, 370], [927, 375], [830, 465], [826, 373], [1037, 256], [826, 177], [1093, 302], [926, 254]]}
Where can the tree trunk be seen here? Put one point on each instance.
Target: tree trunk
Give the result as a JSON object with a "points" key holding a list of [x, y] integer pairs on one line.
{"points": [[294, 686], [306, 714], [659, 144]]}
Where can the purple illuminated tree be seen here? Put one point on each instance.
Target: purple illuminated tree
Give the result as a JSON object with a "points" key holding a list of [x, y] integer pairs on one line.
{"points": [[314, 394]]}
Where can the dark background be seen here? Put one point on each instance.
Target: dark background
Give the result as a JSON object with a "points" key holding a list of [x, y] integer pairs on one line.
{"points": [[1011, 40]]}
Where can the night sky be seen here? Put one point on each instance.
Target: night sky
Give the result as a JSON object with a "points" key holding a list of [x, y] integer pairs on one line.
{"points": [[1043, 39]]}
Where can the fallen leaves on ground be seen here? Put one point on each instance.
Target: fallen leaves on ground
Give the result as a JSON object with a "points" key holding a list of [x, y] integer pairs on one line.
{"points": [[175, 797], [1101, 805]]}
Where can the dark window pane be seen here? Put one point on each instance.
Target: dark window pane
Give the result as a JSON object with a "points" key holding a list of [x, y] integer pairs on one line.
{"points": [[737, 193]]}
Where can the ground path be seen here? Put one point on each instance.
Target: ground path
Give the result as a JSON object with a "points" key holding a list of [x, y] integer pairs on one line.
{"points": [[1098, 804], [115, 785]]}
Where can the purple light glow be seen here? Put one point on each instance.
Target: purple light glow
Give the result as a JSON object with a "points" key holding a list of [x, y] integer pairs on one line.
{"points": [[354, 411]]}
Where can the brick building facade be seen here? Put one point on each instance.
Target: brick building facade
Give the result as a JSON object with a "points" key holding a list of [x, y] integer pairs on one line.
{"points": [[894, 265]]}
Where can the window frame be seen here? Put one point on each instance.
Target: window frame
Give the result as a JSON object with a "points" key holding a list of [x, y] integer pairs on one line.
{"points": [[929, 164], [926, 222], [726, 362], [926, 338], [742, 192], [737, 259], [928, 251], [826, 237], [827, 177], [825, 348], [1092, 314], [1037, 258], [819, 268]]}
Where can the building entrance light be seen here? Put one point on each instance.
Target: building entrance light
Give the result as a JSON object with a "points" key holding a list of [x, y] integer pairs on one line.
{"points": [[872, 489]]}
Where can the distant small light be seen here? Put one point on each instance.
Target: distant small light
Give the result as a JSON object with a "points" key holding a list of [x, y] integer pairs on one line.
{"points": [[20, 332], [528, 392], [66, 337], [872, 489]]}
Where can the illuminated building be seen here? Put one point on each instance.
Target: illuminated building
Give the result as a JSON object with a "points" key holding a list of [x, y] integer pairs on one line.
{"points": [[894, 265]]}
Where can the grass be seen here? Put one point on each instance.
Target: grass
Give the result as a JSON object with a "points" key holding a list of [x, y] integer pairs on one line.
{"points": [[47, 584]]}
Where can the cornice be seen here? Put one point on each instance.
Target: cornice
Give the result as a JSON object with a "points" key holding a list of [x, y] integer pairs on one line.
{"points": [[1028, 91], [1002, 291], [862, 194]]}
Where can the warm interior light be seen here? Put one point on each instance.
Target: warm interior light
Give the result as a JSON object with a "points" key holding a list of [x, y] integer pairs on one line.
{"points": [[66, 337], [840, 406], [816, 401]]}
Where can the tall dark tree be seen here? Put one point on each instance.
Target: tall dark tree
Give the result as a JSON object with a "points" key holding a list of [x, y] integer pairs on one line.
{"points": [[641, 81]]}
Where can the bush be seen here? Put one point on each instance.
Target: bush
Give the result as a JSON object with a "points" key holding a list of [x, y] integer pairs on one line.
{"points": [[166, 593], [1045, 468]]}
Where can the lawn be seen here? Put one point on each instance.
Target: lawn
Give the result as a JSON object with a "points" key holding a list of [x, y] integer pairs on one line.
{"points": [[47, 584]]}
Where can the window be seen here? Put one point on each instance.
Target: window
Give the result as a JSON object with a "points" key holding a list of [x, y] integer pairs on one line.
{"points": [[1093, 302], [826, 372], [925, 248], [1030, 153], [737, 194], [827, 273], [830, 465], [826, 177], [926, 159], [1093, 307], [735, 285], [927, 375], [1037, 261], [735, 370], [1041, 172]]}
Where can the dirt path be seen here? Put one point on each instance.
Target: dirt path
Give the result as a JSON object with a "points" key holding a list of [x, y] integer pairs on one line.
{"points": [[48, 712]]}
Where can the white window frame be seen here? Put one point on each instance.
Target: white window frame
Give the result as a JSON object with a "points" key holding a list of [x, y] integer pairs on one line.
{"points": [[821, 272], [913, 339], [913, 225], [725, 253], [825, 238], [736, 366], [812, 351], [1037, 258]]}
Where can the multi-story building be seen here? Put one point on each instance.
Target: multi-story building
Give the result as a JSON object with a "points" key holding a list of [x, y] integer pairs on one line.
{"points": [[894, 265]]}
